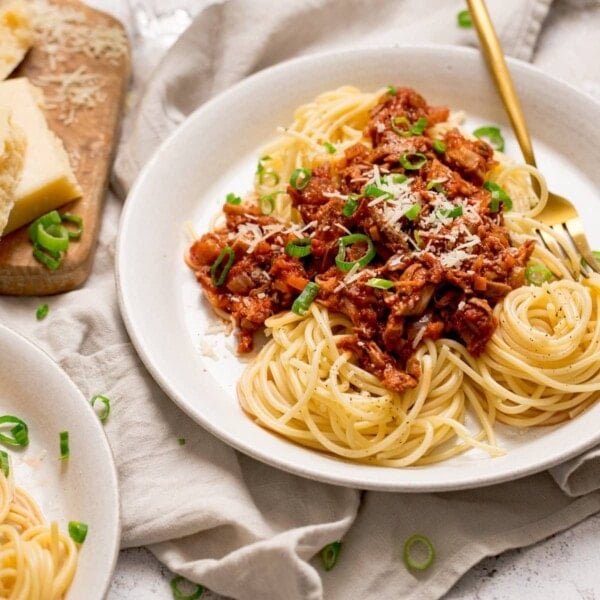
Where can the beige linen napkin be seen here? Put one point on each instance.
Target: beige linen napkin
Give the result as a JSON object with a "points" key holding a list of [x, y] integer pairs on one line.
{"points": [[239, 527]]}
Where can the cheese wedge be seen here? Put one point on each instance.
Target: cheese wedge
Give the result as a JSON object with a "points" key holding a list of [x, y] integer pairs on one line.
{"points": [[12, 152], [47, 180], [16, 34]]}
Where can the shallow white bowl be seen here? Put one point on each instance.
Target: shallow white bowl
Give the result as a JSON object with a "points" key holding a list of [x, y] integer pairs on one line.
{"points": [[215, 151], [84, 487]]}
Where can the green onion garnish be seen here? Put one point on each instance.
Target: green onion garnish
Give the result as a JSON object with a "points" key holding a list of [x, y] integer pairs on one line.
{"points": [[50, 237], [300, 178], [264, 173], [298, 248], [439, 146], [180, 595], [463, 18], [354, 238], [451, 213], [493, 135], [373, 191], [413, 161], [106, 410], [413, 212], [181, 441], [391, 90], [227, 255], [381, 284], [329, 555], [350, 205], [437, 186], [74, 234], [231, 198], [4, 463], [422, 542], [329, 147], [538, 274], [266, 204], [417, 128], [41, 312], [64, 445], [78, 531], [498, 195], [399, 178], [20, 432], [304, 300], [49, 258]]}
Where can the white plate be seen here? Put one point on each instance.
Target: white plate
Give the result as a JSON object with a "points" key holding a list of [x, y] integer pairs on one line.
{"points": [[215, 152], [84, 488]]}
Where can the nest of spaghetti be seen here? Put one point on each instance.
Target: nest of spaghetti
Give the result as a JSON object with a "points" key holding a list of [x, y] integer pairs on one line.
{"points": [[393, 260]]}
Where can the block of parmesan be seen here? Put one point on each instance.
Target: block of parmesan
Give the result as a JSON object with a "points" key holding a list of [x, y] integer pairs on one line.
{"points": [[16, 34], [47, 180], [12, 152]]}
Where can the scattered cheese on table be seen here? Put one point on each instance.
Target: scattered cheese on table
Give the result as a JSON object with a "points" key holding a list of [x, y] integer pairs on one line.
{"points": [[16, 34], [47, 180], [12, 151]]}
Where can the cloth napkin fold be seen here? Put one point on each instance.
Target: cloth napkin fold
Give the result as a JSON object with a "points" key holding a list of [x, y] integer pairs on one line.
{"points": [[217, 517]]}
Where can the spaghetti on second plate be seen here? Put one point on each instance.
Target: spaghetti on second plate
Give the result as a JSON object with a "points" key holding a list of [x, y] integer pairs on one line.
{"points": [[422, 308]]}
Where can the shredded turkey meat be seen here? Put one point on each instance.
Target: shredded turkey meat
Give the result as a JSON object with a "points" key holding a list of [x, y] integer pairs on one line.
{"points": [[432, 257]]}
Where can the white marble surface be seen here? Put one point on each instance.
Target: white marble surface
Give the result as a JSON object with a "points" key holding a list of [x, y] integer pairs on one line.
{"points": [[563, 567]]}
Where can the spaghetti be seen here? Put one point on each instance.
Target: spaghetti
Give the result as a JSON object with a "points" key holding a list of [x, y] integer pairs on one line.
{"points": [[37, 561], [423, 324]]}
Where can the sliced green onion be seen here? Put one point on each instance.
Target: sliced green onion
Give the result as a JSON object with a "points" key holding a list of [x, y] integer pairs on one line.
{"points": [[49, 258], [300, 178], [106, 410], [394, 121], [304, 300], [419, 126], [51, 218], [4, 463], [381, 284], [78, 531], [41, 312], [220, 279], [418, 239], [350, 205], [493, 135], [373, 191], [20, 432], [298, 248], [53, 237], [498, 195], [399, 178], [264, 173], [266, 204], [439, 146], [451, 213], [391, 90], [348, 240], [231, 198], [413, 212], [412, 161], [74, 234], [464, 20], [329, 147], [64, 445], [419, 541], [179, 594], [538, 274], [181, 441], [329, 555], [437, 186]]}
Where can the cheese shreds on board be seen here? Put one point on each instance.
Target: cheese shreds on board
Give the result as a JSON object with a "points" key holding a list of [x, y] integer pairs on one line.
{"points": [[16, 34], [12, 152], [47, 180]]}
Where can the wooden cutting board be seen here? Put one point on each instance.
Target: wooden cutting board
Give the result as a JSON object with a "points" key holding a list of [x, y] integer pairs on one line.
{"points": [[89, 135]]}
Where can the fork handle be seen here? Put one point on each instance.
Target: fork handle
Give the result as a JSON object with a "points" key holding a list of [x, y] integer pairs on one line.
{"points": [[490, 45]]}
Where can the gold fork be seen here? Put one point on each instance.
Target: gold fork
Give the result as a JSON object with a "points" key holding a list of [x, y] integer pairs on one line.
{"points": [[559, 213]]}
